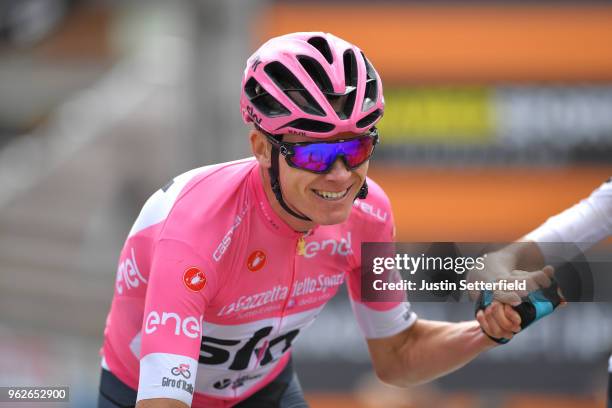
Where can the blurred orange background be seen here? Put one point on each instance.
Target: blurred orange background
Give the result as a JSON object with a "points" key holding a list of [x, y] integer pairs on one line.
{"points": [[486, 42]]}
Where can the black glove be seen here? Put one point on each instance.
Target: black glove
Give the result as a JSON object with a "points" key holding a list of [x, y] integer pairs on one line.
{"points": [[535, 306]]}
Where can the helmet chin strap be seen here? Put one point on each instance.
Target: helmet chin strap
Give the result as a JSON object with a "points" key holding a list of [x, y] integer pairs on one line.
{"points": [[275, 183], [273, 171], [363, 191]]}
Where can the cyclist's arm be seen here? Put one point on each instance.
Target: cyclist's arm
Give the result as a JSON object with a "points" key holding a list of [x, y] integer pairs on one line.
{"points": [[583, 225], [161, 403], [426, 350], [578, 228], [180, 286], [404, 349]]}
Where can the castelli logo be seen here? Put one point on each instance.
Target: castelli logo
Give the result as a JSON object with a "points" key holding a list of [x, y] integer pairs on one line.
{"points": [[194, 279], [256, 260]]}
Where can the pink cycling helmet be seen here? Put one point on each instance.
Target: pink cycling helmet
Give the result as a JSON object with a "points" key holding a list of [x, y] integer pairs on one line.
{"points": [[311, 84]]}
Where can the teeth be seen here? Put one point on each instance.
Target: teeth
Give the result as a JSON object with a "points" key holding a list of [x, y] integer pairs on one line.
{"points": [[330, 195]]}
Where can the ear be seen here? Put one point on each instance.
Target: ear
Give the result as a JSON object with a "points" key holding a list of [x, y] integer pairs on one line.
{"points": [[261, 148]]}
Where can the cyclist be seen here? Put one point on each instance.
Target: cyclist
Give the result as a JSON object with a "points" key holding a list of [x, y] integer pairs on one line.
{"points": [[581, 226], [227, 263]]}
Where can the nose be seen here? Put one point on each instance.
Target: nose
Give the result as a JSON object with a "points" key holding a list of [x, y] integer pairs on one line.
{"points": [[339, 171]]}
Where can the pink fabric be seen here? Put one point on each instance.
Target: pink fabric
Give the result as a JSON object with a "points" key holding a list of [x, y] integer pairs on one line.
{"points": [[236, 331]]}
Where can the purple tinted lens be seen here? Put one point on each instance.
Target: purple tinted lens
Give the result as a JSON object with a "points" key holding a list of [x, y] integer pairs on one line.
{"points": [[314, 157], [358, 150], [320, 157]]}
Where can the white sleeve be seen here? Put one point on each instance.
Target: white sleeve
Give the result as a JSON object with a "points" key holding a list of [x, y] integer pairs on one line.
{"points": [[582, 225], [164, 375], [377, 322]]}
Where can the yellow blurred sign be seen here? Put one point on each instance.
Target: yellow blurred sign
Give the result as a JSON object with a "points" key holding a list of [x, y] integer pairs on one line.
{"points": [[438, 115]]}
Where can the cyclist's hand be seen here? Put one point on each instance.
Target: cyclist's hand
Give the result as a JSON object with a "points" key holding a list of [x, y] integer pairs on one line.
{"points": [[497, 268], [501, 321], [532, 280]]}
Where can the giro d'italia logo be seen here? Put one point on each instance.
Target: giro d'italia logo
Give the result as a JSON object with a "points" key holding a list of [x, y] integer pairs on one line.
{"points": [[256, 260], [194, 279], [183, 370]]}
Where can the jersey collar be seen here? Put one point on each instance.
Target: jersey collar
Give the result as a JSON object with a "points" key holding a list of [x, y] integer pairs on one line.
{"points": [[269, 216]]}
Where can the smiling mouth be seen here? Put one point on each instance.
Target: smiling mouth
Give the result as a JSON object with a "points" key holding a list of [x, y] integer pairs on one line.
{"points": [[331, 195]]}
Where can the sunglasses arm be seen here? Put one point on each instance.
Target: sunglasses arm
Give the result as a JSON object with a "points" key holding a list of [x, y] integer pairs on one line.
{"points": [[282, 147]]}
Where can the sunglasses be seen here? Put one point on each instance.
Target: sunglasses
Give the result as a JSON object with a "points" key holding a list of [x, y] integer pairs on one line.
{"points": [[319, 157]]}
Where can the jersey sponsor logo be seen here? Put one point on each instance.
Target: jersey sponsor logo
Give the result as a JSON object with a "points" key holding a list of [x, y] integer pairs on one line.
{"points": [[180, 383], [321, 283], [128, 274], [307, 286], [244, 303], [341, 247], [237, 383], [256, 260], [188, 326], [237, 354], [194, 279], [291, 303], [370, 210], [227, 238]]}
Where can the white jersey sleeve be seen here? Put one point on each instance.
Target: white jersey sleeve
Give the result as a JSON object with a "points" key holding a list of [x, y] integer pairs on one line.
{"points": [[583, 225]]}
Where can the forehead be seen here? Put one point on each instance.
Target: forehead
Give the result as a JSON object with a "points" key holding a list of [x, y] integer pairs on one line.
{"points": [[296, 139]]}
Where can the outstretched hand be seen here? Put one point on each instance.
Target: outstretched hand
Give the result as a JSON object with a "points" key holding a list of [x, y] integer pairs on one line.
{"points": [[502, 314], [532, 280], [499, 321]]}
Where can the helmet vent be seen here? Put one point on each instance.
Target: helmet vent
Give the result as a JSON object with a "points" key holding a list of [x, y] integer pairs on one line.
{"points": [[292, 87], [350, 68], [371, 90], [342, 103], [321, 44], [369, 119], [310, 125], [316, 72], [263, 101]]}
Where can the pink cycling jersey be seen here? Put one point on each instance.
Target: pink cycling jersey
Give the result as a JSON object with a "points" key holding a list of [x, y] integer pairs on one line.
{"points": [[212, 282]]}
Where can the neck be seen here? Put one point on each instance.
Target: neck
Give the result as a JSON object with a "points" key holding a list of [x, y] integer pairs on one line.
{"points": [[295, 223]]}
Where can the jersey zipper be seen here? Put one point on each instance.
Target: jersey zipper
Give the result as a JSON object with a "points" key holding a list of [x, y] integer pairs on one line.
{"points": [[300, 246], [299, 251]]}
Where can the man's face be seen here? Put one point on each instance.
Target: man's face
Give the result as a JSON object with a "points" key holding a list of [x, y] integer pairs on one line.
{"points": [[325, 198]]}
